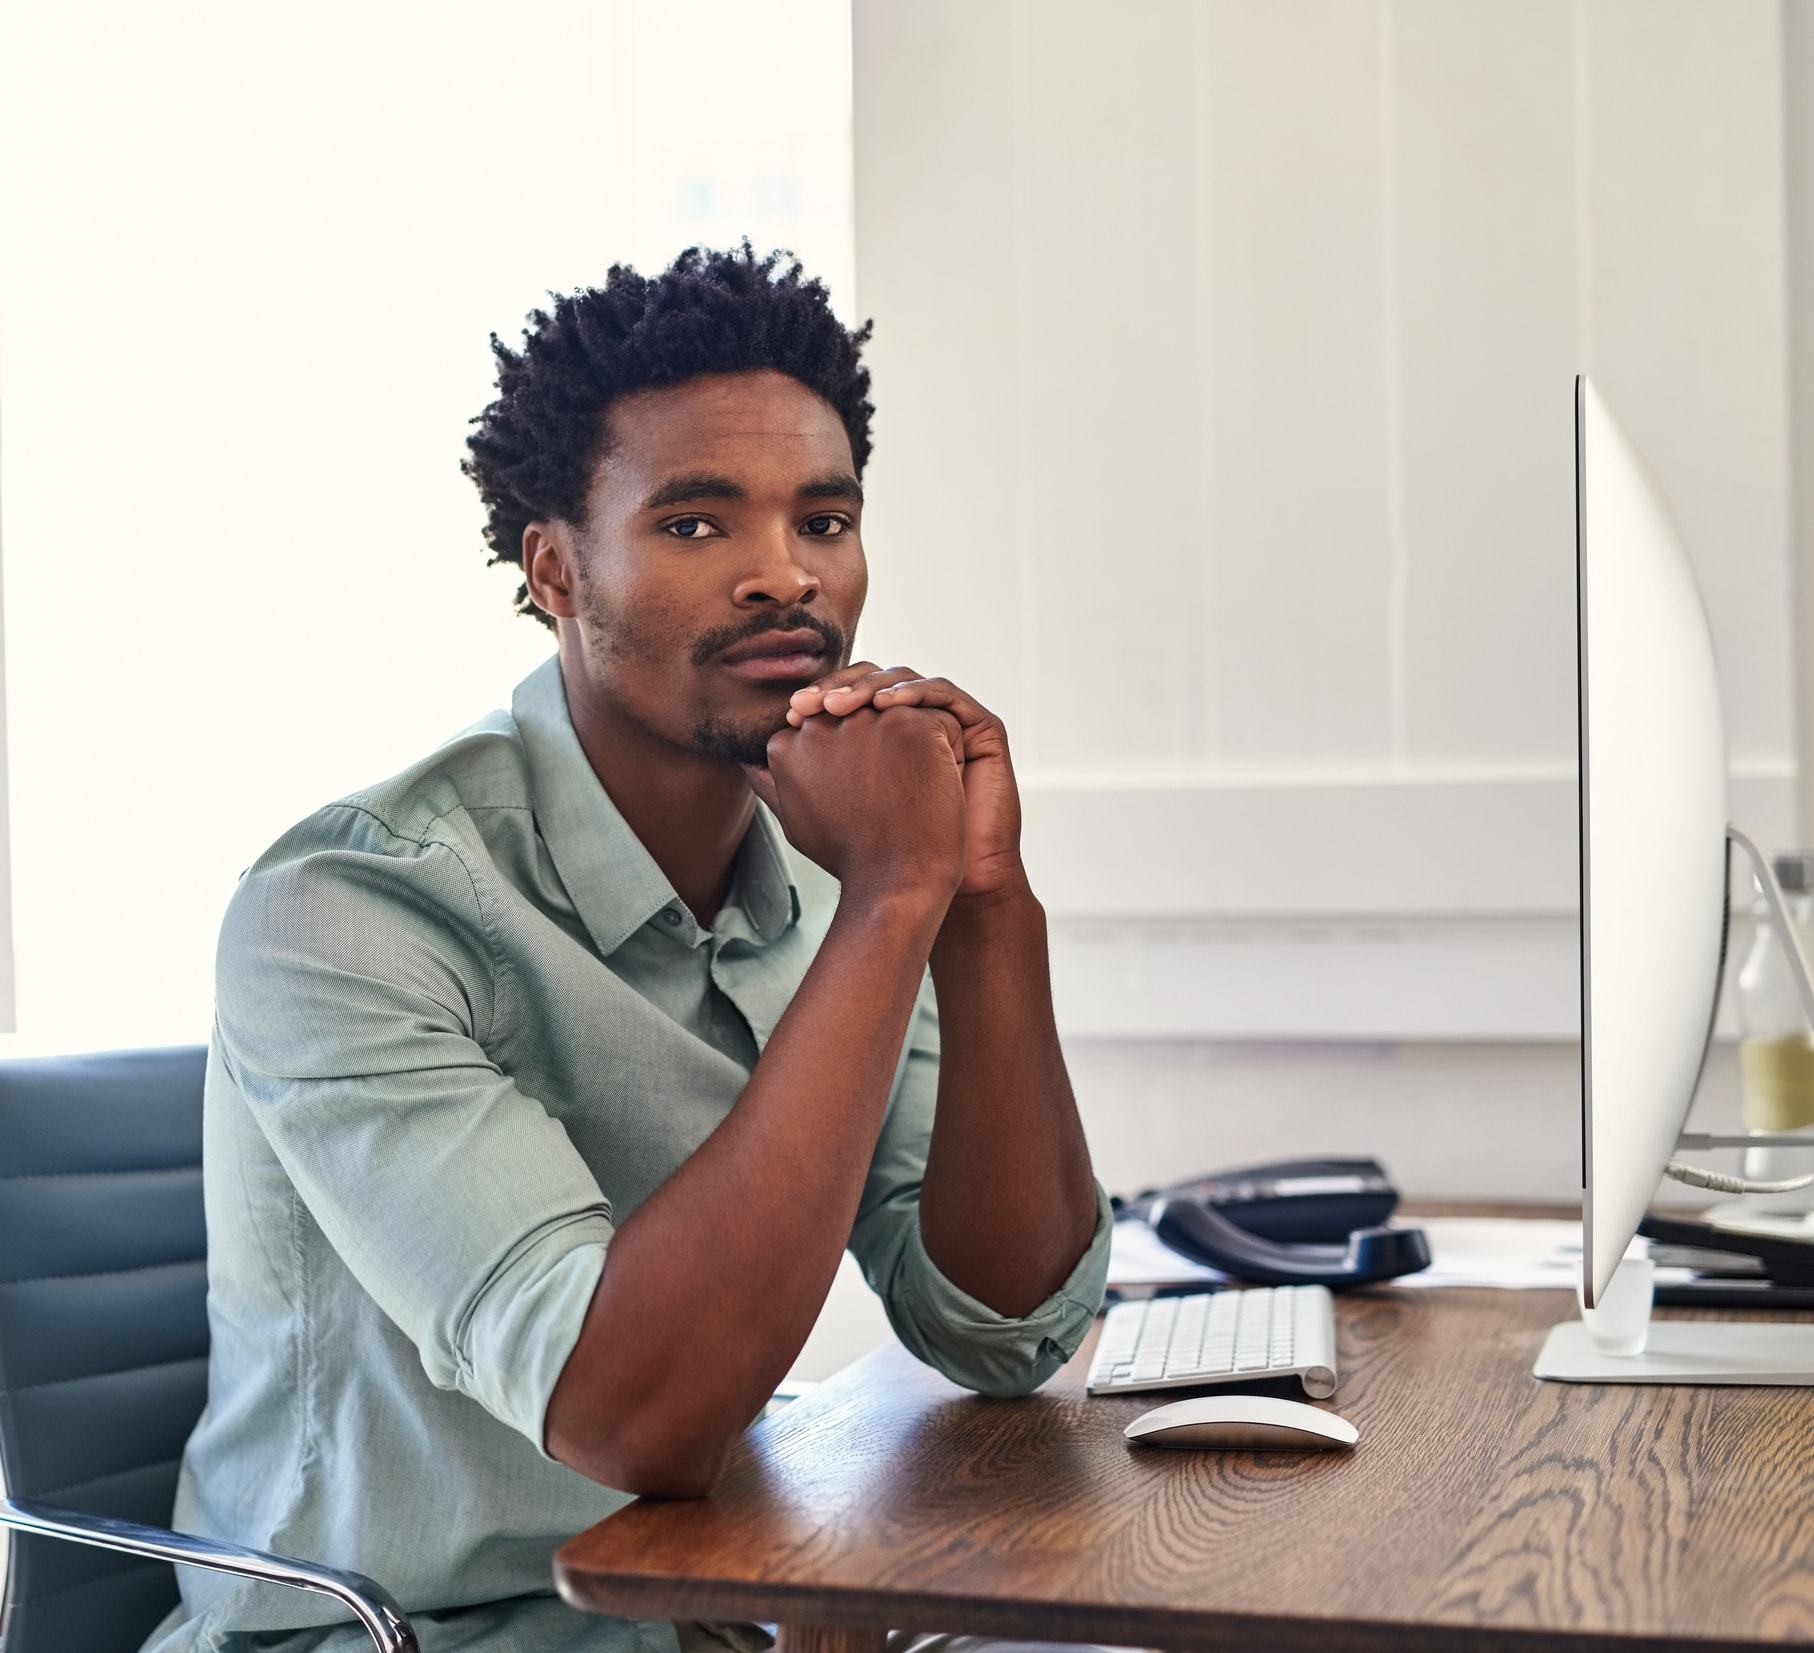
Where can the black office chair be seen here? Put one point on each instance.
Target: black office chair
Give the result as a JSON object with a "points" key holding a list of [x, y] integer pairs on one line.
{"points": [[104, 1354]]}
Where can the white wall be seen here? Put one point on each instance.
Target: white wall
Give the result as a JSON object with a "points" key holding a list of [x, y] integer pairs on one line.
{"points": [[1798, 116], [1254, 326], [1224, 357]]}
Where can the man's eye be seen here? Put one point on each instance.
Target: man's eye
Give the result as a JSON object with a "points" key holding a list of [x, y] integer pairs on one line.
{"points": [[689, 522], [842, 522]]}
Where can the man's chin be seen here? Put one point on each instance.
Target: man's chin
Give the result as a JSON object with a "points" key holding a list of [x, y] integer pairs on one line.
{"points": [[744, 744]]}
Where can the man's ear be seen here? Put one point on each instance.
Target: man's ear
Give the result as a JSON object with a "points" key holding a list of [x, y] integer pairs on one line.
{"points": [[549, 567]]}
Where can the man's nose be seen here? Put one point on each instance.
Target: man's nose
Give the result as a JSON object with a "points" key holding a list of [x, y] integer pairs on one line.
{"points": [[779, 577]]}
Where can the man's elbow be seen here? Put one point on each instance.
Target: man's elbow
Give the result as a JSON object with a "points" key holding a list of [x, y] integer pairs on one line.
{"points": [[616, 1422], [688, 1476], [639, 1462]]}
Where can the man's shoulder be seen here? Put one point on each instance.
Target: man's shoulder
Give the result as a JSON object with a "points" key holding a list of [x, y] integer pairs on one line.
{"points": [[460, 796], [481, 769], [392, 880]]}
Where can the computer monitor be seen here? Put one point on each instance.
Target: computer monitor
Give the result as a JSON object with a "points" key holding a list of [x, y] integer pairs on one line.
{"points": [[1655, 847], [1653, 833]]}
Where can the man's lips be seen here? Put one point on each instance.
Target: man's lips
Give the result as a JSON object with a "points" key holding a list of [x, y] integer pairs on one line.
{"points": [[778, 656]]}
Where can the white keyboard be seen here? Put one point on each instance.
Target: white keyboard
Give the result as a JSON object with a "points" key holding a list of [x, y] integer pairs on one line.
{"points": [[1235, 1336]]}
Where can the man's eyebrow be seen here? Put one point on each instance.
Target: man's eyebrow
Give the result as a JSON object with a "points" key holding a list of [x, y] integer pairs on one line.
{"points": [[838, 485], [679, 490]]}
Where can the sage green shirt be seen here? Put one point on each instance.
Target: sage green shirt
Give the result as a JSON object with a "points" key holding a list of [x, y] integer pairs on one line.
{"points": [[463, 1025]]}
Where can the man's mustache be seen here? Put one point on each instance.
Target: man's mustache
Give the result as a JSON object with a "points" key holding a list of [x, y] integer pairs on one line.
{"points": [[715, 643]]}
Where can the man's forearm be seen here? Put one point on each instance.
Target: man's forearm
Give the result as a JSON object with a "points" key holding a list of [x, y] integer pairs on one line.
{"points": [[712, 1285], [1008, 1203]]}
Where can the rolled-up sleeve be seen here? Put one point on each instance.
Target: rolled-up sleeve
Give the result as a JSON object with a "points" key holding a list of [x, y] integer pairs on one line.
{"points": [[937, 1321], [355, 984]]}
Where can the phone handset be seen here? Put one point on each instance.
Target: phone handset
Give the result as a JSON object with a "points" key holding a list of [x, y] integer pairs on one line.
{"points": [[1201, 1232]]}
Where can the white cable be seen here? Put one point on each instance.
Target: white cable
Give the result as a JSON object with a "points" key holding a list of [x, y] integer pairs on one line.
{"points": [[1723, 1184]]}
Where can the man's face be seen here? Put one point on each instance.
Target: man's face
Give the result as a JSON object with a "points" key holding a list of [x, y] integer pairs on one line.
{"points": [[724, 518]]}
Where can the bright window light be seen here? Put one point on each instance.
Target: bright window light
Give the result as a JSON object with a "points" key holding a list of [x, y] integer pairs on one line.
{"points": [[253, 261]]}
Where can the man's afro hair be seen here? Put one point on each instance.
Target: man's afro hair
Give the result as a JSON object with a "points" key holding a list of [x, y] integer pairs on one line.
{"points": [[538, 444]]}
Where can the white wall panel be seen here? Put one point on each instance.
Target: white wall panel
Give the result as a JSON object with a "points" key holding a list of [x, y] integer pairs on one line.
{"points": [[1447, 1121], [1798, 118], [935, 217], [1681, 151], [1105, 281], [1376, 241], [1310, 913], [1298, 381], [1485, 253]]}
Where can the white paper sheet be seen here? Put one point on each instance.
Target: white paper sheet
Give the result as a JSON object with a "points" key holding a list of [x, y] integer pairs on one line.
{"points": [[1515, 1253]]}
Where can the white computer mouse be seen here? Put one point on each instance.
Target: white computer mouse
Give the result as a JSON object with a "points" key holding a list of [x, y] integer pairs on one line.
{"points": [[1252, 1422]]}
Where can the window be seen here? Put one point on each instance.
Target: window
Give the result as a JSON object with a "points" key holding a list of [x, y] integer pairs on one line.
{"points": [[255, 258]]}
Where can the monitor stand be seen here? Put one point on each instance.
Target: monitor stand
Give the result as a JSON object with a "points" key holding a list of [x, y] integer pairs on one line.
{"points": [[1685, 1351], [1705, 1351]]}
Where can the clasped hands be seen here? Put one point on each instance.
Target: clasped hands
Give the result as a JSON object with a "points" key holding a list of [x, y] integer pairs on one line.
{"points": [[992, 865]]}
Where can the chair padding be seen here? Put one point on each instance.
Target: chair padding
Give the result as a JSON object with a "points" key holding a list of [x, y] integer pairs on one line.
{"points": [[103, 1326]]}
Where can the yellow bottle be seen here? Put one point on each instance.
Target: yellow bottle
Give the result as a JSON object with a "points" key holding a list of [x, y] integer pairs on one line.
{"points": [[1776, 1055], [1778, 1082]]}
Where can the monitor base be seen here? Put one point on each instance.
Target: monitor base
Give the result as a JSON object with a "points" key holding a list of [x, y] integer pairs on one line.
{"points": [[1685, 1351]]}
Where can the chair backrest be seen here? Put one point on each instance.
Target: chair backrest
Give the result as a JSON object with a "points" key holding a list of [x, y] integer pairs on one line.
{"points": [[103, 1326]]}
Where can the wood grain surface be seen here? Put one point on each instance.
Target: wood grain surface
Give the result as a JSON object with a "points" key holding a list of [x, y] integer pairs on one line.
{"points": [[1482, 1509]]}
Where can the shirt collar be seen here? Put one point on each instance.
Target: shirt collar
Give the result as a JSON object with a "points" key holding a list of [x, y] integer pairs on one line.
{"points": [[765, 886], [612, 878]]}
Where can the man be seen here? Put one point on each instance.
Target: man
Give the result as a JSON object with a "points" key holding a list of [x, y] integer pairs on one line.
{"points": [[548, 1083]]}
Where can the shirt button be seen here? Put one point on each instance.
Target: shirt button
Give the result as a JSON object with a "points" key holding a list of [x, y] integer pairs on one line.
{"points": [[671, 915]]}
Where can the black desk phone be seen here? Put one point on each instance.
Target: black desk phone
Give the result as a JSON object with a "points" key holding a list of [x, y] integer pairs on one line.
{"points": [[1292, 1222]]}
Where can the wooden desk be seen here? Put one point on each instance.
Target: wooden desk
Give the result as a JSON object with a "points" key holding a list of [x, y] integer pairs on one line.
{"points": [[1482, 1509]]}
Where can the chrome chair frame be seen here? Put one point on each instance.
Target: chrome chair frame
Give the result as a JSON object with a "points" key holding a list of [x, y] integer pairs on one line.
{"points": [[372, 1605]]}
